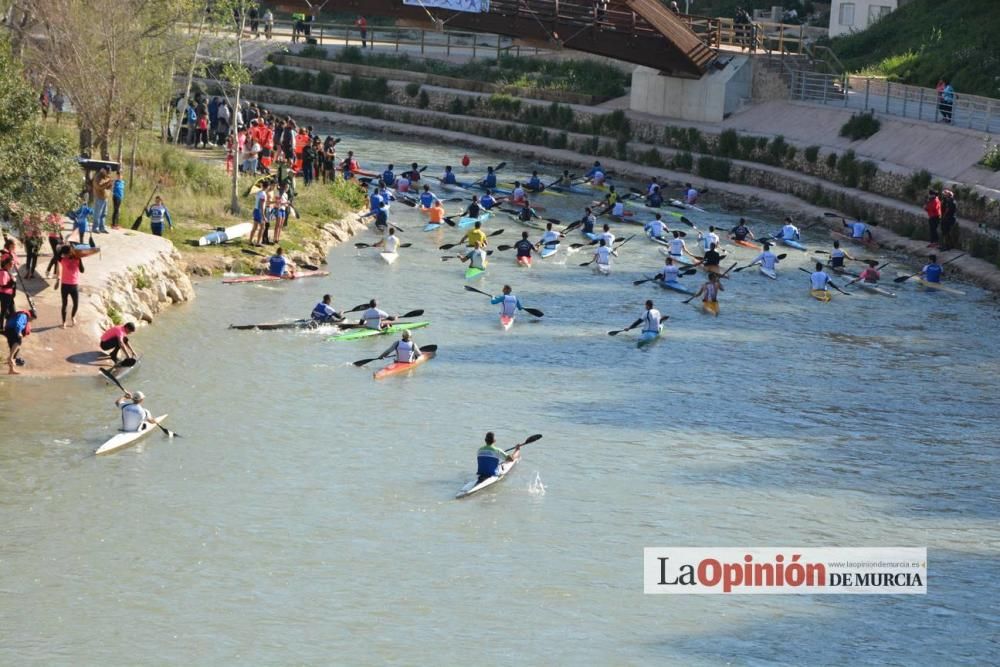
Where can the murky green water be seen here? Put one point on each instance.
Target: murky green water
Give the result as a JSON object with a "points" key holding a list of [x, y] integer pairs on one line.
{"points": [[306, 515]]}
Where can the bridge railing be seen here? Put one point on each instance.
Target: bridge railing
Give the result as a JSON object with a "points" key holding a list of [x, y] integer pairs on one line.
{"points": [[895, 99]]}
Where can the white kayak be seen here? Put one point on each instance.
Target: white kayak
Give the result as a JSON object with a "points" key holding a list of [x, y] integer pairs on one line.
{"points": [[874, 288], [128, 438], [477, 485], [389, 257], [603, 269], [770, 273], [221, 235]]}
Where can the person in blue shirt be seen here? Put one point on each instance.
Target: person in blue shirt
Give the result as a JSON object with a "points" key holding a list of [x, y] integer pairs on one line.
{"points": [[375, 202], [588, 220], [18, 326], [382, 216], [324, 313], [510, 302], [654, 199], [490, 180], [427, 198], [534, 183], [487, 201], [157, 213], [932, 271], [79, 217], [449, 177], [278, 266], [388, 176], [596, 174], [489, 458], [117, 196]]}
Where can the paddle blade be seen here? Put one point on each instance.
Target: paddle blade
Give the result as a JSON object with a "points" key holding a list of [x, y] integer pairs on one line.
{"points": [[901, 279], [498, 168], [532, 438], [687, 222], [470, 288], [502, 248], [496, 233], [361, 362], [363, 306], [412, 313], [585, 264], [356, 245], [535, 312], [447, 246], [615, 332]]}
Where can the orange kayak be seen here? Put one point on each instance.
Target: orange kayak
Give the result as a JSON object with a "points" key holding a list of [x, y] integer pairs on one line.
{"points": [[747, 244], [710, 307], [397, 367], [524, 261]]}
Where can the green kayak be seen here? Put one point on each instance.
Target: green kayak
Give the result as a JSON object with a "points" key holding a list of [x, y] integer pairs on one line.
{"points": [[472, 273], [367, 333]]}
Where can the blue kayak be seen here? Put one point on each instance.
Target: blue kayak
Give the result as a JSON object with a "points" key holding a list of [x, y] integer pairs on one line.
{"points": [[431, 226], [792, 244], [465, 222], [479, 186], [675, 286], [647, 337], [549, 250]]}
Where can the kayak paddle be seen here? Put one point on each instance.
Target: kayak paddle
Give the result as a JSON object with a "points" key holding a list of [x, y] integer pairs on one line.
{"points": [[532, 311], [828, 282], [659, 276], [631, 326], [111, 377], [366, 245], [903, 279], [530, 439]]}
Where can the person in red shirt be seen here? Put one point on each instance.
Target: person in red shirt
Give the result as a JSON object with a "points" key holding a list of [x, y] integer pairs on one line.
{"points": [[115, 339], [933, 208], [362, 24]]}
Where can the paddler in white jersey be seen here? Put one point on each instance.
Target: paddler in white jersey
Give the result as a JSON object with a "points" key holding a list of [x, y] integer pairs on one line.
{"points": [[518, 195], [606, 236], [376, 319], [767, 259], [859, 230], [402, 183], [690, 194], [837, 257], [476, 257], [655, 228], [709, 238], [550, 238], [670, 272], [678, 248], [651, 319], [133, 414], [406, 350], [819, 278], [390, 242], [602, 255], [789, 232], [509, 303]]}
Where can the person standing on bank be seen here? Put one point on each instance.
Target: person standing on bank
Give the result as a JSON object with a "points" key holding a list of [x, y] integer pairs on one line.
{"points": [[933, 209], [157, 213], [949, 221]]}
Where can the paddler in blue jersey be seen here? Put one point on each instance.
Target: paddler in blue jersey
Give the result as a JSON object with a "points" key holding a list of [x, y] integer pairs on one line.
{"points": [[932, 271], [489, 457], [588, 221], [490, 180], [449, 177], [859, 230], [324, 313], [427, 198], [278, 266], [654, 198], [488, 201], [534, 183], [596, 174], [524, 247], [405, 349], [510, 304], [389, 176]]}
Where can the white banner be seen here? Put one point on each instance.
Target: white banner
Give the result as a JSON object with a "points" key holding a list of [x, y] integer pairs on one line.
{"points": [[785, 570], [473, 6]]}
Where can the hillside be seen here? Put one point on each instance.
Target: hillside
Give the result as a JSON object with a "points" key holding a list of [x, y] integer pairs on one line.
{"points": [[929, 39]]}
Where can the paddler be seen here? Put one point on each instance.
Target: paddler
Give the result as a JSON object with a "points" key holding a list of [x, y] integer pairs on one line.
{"points": [[566, 179], [709, 292], [510, 304], [534, 183], [518, 196], [405, 349], [375, 201], [656, 227], [588, 221], [382, 216], [278, 266], [134, 415], [489, 457], [473, 210], [678, 248], [475, 237], [602, 254], [789, 232], [413, 174], [741, 232], [427, 198], [837, 257], [389, 176], [448, 177], [324, 313], [859, 230], [490, 180], [932, 270], [766, 258], [610, 202], [402, 183], [712, 259], [870, 274], [606, 236], [376, 319], [690, 194], [550, 238], [524, 247], [526, 213], [670, 272], [476, 257], [390, 242], [651, 319], [818, 279], [436, 213], [655, 197], [488, 201], [596, 174], [349, 166], [115, 339], [709, 238], [654, 186]]}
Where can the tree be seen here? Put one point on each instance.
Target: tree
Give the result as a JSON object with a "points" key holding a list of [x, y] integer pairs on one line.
{"points": [[38, 172]]}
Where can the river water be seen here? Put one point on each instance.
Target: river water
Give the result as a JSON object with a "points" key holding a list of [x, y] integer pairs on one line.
{"points": [[307, 516]]}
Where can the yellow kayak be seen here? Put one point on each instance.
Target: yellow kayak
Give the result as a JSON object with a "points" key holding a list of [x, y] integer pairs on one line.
{"points": [[710, 307], [820, 295]]}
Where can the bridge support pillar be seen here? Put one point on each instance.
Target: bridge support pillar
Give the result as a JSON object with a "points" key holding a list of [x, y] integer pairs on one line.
{"points": [[709, 99]]}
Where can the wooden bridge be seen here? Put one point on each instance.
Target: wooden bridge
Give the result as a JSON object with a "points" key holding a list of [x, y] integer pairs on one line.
{"points": [[643, 32]]}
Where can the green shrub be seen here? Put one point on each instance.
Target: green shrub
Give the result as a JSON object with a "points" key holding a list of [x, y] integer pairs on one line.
{"points": [[812, 154], [424, 100], [456, 108], [869, 170], [683, 161], [775, 151], [313, 51], [712, 168], [369, 90], [729, 144], [559, 141], [991, 157], [503, 103], [116, 317], [748, 146], [831, 161], [142, 281], [412, 89], [918, 184], [652, 158], [324, 80], [849, 169], [861, 126]]}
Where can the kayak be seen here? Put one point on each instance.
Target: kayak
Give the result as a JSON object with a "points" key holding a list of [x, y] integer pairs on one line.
{"points": [[677, 203], [121, 369], [476, 485], [710, 307], [265, 279], [839, 270], [873, 287], [275, 326], [871, 244], [937, 287], [549, 250], [397, 367], [480, 186], [675, 286], [526, 223], [649, 337], [358, 334], [431, 226], [792, 244], [126, 439], [770, 273], [820, 295], [680, 259], [84, 250], [472, 273], [603, 269], [221, 235], [389, 257], [506, 321], [466, 221], [654, 209], [662, 240], [524, 261], [747, 244]]}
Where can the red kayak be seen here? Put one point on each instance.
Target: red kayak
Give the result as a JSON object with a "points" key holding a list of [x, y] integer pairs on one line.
{"points": [[524, 261], [266, 279]]}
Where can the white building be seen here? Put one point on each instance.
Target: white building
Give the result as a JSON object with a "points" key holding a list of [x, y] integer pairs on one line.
{"points": [[848, 16]]}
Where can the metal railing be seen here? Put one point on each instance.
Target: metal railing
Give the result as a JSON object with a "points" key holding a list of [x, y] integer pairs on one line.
{"points": [[896, 99], [759, 36]]}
